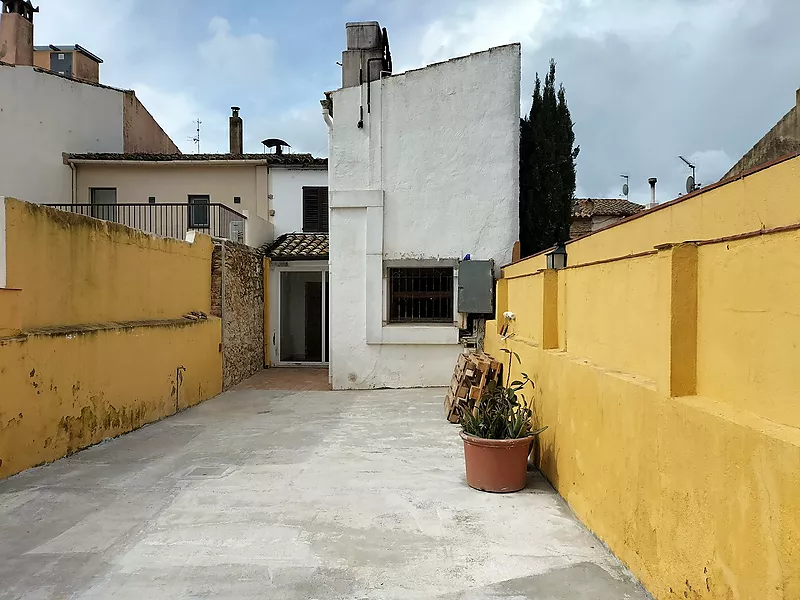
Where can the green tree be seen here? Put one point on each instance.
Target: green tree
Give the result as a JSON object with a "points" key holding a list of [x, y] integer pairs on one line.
{"points": [[546, 168]]}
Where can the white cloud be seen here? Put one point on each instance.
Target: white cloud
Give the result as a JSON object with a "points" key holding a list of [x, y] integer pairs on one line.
{"points": [[248, 56]]}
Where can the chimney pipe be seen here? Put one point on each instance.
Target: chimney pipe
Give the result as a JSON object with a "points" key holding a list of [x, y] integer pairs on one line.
{"points": [[652, 181], [236, 132], [16, 32]]}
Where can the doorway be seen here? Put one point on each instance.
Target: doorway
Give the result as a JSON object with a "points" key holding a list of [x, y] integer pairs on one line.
{"points": [[303, 324]]}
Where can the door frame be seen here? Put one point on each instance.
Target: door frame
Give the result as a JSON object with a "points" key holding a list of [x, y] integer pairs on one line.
{"points": [[299, 266]]}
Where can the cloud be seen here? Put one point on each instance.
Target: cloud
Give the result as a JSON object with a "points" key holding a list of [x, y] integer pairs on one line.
{"points": [[247, 56]]}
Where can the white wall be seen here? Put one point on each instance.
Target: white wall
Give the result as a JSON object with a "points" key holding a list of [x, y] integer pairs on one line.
{"points": [[433, 174], [286, 188], [44, 115]]}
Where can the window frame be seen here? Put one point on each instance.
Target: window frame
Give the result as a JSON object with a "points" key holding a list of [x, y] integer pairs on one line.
{"points": [[107, 211], [322, 208], [445, 314], [193, 205]]}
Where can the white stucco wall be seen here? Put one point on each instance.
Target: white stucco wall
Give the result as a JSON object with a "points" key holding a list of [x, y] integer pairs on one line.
{"points": [[433, 174], [286, 188], [42, 116]]}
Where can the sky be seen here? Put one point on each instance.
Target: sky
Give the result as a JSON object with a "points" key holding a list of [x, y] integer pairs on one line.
{"points": [[646, 80]]}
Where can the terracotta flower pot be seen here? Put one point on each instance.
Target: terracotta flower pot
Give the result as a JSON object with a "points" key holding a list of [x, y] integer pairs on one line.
{"points": [[496, 465]]}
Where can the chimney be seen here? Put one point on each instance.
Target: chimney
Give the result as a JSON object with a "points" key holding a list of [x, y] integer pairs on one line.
{"points": [[652, 181], [367, 53], [237, 131], [16, 32]]}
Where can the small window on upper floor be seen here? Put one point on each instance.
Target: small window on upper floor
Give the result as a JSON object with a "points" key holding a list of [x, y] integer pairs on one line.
{"points": [[315, 209]]}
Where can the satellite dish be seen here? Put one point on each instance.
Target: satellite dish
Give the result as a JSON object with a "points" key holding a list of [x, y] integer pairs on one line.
{"points": [[689, 184], [625, 189]]}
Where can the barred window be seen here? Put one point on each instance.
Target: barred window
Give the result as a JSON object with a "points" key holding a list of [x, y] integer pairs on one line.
{"points": [[420, 295]]}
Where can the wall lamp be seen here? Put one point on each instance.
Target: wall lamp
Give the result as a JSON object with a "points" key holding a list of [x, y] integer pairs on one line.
{"points": [[557, 258]]}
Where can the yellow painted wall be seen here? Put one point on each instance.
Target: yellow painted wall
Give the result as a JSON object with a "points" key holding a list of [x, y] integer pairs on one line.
{"points": [[749, 325], [64, 390], [613, 310], [671, 397], [91, 339], [76, 270], [765, 199]]}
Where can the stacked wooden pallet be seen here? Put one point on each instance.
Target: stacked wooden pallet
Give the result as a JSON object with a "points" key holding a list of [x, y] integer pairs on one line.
{"points": [[472, 374]]}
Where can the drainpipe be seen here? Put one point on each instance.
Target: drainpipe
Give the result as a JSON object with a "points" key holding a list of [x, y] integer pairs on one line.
{"points": [[74, 182], [652, 181]]}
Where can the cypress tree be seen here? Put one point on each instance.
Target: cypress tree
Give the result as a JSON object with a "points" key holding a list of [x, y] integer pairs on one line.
{"points": [[547, 167]]}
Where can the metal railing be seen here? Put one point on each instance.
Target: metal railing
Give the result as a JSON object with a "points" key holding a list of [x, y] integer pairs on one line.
{"points": [[171, 220]]}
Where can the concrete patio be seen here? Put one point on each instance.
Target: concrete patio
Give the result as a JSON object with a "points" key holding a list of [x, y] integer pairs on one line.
{"points": [[293, 495]]}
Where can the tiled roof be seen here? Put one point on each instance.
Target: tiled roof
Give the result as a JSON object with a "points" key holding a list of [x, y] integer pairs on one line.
{"points": [[298, 246], [272, 159], [604, 207]]}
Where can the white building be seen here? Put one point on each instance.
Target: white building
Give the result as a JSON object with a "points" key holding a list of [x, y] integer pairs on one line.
{"points": [[44, 114], [423, 170]]}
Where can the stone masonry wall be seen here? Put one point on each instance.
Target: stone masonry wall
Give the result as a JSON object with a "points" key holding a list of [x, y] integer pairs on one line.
{"points": [[243, 312]]}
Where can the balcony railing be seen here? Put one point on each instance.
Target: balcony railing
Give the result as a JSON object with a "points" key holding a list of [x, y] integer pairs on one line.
{"points": [[171, 220]]}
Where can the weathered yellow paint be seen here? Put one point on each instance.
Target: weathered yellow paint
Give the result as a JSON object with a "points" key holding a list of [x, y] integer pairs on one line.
{"points": [[671, 394], [91, 344], [10, 312], [75, 270], [63, 390]]}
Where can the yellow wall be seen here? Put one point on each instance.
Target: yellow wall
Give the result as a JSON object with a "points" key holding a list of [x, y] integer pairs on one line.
{"points": [[671, 393], [763, 200], [90, 344], [749, 325], [76, 270], [65, 390]]}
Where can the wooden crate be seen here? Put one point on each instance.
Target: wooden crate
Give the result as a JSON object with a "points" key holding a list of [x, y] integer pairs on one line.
{"points": [[471, 375]]}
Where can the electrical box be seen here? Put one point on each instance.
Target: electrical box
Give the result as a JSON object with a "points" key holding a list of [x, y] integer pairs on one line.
{"points": [[476, 287]]}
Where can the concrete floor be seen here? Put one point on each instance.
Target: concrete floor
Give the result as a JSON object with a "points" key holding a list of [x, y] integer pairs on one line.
{"points": [[264, 494]]}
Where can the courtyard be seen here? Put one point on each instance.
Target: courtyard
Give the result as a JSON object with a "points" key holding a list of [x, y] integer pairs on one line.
{"points": [[292, 494]]}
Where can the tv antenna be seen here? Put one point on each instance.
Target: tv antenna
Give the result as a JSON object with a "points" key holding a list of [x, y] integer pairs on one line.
{"points": [[196, 138], [625, 186], [691, 182]]}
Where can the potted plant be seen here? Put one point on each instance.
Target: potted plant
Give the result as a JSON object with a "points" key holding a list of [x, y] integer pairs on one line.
{"points": [[498, 435]]}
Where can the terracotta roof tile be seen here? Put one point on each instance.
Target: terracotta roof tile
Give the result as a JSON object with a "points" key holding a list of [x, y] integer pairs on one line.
{"points": [[272, 159], [298, 246], [604, 207]]}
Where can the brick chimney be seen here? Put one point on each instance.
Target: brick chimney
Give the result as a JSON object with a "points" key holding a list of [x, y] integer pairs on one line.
{"points": [[16, 32], [236, 132]]}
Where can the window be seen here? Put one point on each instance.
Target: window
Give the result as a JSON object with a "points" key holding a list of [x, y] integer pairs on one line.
{"points": [[420, 295], [315, 209], [151, 200], [237, 199], [199, 217], [103, 202]]}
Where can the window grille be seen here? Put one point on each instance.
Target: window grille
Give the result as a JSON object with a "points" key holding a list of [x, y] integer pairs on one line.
{"points": [[420, 295]]}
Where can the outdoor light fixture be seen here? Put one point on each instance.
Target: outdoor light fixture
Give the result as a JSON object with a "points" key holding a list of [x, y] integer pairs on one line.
{"points": [[557, 258]]}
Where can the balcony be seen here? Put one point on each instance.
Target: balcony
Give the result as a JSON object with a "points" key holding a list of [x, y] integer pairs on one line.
{"points": [[170, 220]]}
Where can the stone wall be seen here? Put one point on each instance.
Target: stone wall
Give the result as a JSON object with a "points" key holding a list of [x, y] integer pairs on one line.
{"points": [[237, 297]]}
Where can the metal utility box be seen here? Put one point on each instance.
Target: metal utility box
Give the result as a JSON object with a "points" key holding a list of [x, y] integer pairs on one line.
{"points": [[476, 287]]}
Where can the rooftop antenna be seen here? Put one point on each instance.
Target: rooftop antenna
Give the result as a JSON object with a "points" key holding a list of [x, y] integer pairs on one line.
{"points": [[196, 139], [625, 186], [691, 183]]}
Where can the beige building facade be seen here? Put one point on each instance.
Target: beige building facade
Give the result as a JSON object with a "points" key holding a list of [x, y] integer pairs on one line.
{"points": [[152, 191]]}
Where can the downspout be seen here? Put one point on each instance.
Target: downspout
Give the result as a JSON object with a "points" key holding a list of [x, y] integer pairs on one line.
{"points": [[74, 182]]}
